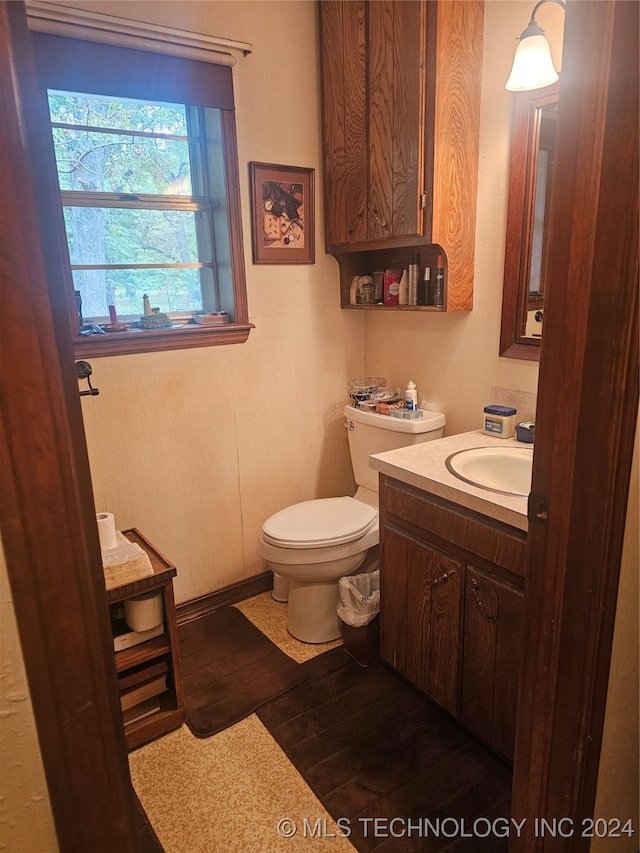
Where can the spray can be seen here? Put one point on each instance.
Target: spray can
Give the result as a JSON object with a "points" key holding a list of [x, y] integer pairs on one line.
{"points": [[438, 290], [414, 276], [425, 297]]}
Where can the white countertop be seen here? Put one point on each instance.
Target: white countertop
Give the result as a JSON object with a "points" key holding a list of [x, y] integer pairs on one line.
{"points": [[423, 466]]}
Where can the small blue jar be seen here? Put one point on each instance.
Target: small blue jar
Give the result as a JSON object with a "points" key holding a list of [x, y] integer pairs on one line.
{"points": [[525, 432]]}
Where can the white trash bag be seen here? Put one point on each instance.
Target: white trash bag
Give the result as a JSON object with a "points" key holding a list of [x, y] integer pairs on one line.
{"points": [[359, 598]]}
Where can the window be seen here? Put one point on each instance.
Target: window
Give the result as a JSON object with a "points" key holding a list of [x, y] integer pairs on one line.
{"points": [[138, 201], [144, 148]]}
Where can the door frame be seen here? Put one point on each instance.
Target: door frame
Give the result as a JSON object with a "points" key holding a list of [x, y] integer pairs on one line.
{"points": [[585, 426], [46, 496], [47, 515]]}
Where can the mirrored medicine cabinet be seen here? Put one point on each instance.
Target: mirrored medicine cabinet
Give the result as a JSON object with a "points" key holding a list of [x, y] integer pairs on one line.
{"points": [[533, 139]]}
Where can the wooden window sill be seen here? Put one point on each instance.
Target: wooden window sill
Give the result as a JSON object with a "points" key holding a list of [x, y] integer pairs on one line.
{"points": [[157, 340]]}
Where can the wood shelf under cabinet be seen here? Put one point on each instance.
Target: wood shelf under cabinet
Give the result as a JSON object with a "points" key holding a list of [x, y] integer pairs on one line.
{"points": [[364, 263], [163, 647]]}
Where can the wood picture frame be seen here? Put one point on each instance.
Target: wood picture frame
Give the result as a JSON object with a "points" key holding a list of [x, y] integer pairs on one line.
{"points": [[282, 214]]}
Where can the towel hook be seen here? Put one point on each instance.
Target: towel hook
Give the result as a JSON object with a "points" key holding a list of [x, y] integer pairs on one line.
{"points": [[84, 371]]}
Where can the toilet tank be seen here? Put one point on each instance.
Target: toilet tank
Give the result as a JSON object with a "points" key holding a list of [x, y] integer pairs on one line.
{"points": [[371, 433]]}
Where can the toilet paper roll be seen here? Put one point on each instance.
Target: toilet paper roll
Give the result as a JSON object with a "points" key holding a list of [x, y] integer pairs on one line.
{"points": [[107, 530], [143, 612]]}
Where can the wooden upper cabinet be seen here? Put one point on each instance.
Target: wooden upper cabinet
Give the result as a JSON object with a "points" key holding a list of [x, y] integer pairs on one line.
{"points": [[344, 120], [401, 114], [395, 98], [373, 106]]}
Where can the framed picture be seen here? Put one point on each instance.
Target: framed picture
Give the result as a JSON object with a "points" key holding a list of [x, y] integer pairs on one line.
{"points": [[282, 208]]}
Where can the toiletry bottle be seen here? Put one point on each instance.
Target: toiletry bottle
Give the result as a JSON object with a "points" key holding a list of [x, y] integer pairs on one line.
{"points": [[414, 275], [425, 290], [411, 396], [391, 286], [353, 291], [378, 285], [78, 296], [403, 289], [365, 290], [438, 290]]}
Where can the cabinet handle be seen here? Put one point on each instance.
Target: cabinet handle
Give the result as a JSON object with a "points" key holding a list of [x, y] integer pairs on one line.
{"points": [[352, 224], [382, 224], [492, 617], [443, 577]]}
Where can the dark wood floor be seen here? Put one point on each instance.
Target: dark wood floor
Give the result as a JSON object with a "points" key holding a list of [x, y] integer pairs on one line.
{"points": [[371, 747]]}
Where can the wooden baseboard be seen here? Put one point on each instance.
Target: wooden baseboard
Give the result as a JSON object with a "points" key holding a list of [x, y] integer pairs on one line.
{"points": [[205, 604]]}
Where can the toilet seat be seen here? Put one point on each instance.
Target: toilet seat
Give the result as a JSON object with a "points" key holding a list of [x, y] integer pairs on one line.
{"points": [[319, 523]]}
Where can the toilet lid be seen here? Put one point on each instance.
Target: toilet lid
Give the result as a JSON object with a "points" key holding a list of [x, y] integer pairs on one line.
{"points": [[327, 521]]}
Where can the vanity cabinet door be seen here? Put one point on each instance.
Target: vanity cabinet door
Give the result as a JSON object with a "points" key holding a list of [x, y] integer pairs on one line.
{"points": [[373, 80], [491, 657], [420, 606]]}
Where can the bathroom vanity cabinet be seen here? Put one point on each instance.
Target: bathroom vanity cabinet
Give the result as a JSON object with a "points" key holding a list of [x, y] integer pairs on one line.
{"points": [[159, 656], [451, 607], [401, 108]]}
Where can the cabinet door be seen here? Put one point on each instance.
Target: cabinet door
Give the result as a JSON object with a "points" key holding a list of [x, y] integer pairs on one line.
{"points": [[396, 41], [420, 615], [393, 599], [373, 80], [491, 659], [344, 113]]}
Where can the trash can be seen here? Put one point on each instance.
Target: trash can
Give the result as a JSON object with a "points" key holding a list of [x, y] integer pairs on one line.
{"points": [[359, 613]]}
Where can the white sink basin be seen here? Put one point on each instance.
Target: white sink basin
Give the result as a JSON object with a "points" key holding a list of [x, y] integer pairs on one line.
{"points": [[498, 469]]}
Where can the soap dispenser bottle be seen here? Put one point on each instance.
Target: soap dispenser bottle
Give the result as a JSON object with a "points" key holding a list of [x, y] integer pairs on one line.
{"points": [[411, 396]]}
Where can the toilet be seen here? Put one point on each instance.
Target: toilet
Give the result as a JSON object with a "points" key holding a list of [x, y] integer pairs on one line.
{"points": [[309, 546]]}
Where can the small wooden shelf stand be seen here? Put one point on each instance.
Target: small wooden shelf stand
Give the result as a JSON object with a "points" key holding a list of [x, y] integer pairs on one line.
{"points": [[164, 647]]}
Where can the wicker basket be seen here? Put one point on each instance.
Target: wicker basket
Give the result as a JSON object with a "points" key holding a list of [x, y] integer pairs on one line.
{"points": [[365, 388]]}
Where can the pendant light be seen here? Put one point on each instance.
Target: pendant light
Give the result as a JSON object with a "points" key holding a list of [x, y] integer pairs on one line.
{"points": [[532, 65]]}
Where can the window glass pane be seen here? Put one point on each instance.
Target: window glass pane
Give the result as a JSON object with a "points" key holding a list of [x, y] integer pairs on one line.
{"points": [[217, 188], [112, 235], [122, 113], [108, 163], [167, 289], [128, 170]]}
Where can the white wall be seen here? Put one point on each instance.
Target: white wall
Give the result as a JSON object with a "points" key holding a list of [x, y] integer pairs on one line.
{"points": [[196, 448], [618, 793], [26, 822]]}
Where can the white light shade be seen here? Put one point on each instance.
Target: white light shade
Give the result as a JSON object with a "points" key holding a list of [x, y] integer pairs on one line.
{"points": [[532, 65]]}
